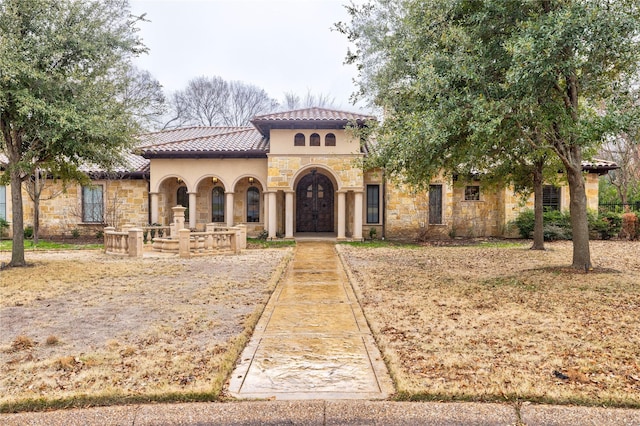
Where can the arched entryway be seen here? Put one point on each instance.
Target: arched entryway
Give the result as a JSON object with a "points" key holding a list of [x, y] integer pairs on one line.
{"points": [[314, 204]]}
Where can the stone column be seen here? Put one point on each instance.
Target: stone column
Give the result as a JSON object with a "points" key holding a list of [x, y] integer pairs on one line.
{"points": [[192, 210], [272, 215], [357, 219], [136, 242], [178, 220], [154, 206], [184, 244], [288, 213], [342, 220], [228, 208]]}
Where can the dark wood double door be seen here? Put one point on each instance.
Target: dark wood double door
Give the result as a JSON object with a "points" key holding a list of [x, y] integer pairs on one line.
{"points": [[314, 204]]}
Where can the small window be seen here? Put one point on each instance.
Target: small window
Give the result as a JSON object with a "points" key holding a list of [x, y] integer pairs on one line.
{"points": [[3, 202], [472, 193], [435, 204], [298, 140], [373, 203], [314, 140], [253, 204], [330, 140], [550, 197], [217, 204], [92, 204]]}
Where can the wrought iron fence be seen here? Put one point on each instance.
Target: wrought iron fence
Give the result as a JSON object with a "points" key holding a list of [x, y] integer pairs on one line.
{"points": [[619, 207]]}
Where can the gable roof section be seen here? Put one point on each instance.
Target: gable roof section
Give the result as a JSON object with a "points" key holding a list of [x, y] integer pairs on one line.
{"points": [[308, 118], [204, 142]]}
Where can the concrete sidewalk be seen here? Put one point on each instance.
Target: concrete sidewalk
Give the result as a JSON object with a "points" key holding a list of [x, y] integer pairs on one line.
{"points": [[312, 341], [328, 413]]}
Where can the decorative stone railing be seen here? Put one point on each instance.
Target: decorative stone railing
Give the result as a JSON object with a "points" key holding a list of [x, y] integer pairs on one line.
{"points": [[126, 242], [213, 240], [155, 231], [175, 238]]}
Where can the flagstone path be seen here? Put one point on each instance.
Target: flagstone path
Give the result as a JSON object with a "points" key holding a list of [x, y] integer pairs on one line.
{"points": [[312, 341]]}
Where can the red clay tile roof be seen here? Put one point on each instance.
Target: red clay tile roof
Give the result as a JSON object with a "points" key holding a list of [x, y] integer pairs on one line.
{"points": [[204, 142]]}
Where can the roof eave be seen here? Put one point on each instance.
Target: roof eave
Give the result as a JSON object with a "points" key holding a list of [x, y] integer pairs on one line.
{"points": [[254, 153]]}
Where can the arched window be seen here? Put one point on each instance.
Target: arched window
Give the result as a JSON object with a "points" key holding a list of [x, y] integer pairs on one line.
{"points": [[253, 204], [217, 204], [314, 140], [298, 140], [182, 199], [330, 140]]}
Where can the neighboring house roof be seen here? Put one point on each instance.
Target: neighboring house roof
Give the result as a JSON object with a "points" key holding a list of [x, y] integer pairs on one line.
{"points": [[204, 142], [599, 166], [314, 118]]}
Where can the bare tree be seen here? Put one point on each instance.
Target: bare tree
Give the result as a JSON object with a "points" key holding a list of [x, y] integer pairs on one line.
{"points": [[624, 150], [142, 94], [212, 101], [292, 100], [245, 102], [35, 185]]}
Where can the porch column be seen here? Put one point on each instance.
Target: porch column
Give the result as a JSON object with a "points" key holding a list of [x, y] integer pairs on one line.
{"points": [[154, 206], [264, 217], [272, 215], [288, 213], [192, 210], [341, 215], [357, 213], [228, 207]]}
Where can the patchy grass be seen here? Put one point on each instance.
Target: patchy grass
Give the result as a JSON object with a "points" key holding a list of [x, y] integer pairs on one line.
{"points": [[80, 328], [6, 245], [487, 323], [379, 244]]}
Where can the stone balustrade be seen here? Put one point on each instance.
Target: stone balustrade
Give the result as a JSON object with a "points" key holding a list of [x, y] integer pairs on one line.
{"points": [[129, 241], [175, 238]]}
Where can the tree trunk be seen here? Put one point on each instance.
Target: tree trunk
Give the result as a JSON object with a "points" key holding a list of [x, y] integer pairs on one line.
{"points": [[579, 221], [36, 218], [17, 251], [538, 208]]}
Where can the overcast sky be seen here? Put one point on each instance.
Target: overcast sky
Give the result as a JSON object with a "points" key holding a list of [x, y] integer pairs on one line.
{"points": [[277, 45]]}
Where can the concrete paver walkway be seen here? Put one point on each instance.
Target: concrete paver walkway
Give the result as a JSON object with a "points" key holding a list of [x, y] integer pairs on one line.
{"points": [[312, 341]]}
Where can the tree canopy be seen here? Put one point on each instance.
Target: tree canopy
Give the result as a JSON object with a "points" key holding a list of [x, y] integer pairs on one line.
{"points": [[467, 83], [63, 103]]}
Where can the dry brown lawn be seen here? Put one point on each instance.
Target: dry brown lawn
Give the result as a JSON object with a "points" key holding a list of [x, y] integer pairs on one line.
{"points": [[496, 323], [82, 328]]}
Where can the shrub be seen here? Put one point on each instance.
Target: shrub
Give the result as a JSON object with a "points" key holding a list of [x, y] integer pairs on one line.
{"points": [[631, 225], [263, 235], [605, 226], [75, 233], [553, 232], [28, 232], [525, 222], [4, 225]]}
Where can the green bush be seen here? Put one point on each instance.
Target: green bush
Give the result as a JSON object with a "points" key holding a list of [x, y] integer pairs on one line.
{"points": [[28, 232], [4, 225], [605, 226], [557, 225]]}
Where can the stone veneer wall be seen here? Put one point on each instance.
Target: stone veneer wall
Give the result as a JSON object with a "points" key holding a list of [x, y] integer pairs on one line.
{"points": [[125, 201], [481, 218], [283, 168], [407, 212]]}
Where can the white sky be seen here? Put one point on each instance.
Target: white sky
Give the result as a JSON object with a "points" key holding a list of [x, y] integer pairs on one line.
{"points": [[277, 45]]}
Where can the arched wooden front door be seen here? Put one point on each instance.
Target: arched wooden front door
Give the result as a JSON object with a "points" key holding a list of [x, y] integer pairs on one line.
{"points": [[314, 204]]}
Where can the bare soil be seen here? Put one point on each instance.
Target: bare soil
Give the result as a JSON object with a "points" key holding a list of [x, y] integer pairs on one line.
{"points": [[82, 323], [493, 323]]}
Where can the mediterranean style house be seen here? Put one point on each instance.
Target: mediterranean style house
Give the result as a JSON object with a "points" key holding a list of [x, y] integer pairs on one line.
{"points": [[288, 174]]}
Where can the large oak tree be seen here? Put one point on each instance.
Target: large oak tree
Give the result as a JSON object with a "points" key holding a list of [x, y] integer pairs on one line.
{"points": [[63, 68], [462, 80]]}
